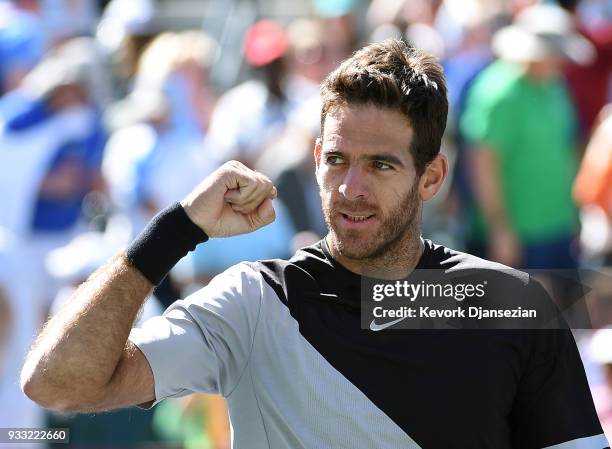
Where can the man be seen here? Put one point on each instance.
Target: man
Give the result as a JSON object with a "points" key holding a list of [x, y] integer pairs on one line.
{"points": [[590, 84], [519, 121], [51, 146], [251, 115], [282, 340]]}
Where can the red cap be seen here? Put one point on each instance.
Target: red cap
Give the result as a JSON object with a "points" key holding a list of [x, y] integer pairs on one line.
{"points": [[264, 42]]}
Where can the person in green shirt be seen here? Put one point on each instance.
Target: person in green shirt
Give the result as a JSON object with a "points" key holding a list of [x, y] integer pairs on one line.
{"points": [[519, 120]]}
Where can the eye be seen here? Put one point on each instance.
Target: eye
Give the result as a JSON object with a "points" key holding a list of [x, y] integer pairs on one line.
{"points": [[383, 166], [333, 159]]}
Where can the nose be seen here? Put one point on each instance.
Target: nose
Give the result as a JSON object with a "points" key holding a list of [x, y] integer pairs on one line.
{"points": [[354, 184]]}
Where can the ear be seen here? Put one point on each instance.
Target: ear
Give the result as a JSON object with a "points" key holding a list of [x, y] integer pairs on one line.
{"points": [[433, 177]]}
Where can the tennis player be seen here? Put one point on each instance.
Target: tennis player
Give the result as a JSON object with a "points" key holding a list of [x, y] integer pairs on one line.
{"points": [[281, 340]]}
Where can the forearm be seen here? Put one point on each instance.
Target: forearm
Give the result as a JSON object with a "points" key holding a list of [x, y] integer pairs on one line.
{"points": [[77, 352], [487, 188]]}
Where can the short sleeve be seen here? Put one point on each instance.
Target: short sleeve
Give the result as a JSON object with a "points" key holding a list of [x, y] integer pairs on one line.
{"points": [[203, 343], [487, 119], [553, 407]]}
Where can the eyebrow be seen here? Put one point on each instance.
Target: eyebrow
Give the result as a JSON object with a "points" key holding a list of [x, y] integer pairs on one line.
{"points": [[388, 158]]}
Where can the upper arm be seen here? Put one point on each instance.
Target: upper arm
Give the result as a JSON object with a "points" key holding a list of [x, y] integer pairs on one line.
{"points": [[131, 383], [488, 119], [203, 343], [484, 167], [483, 161]]}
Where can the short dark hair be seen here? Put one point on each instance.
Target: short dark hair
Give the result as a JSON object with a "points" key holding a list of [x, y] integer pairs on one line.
{"points": [[390, 74]]}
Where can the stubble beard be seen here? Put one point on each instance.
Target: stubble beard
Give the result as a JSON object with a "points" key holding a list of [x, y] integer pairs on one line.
{"points": [[393, 234]]}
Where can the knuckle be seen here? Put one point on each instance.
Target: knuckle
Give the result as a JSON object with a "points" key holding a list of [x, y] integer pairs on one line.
{"points": [[264, 183], [233, 166], [235, 163]]}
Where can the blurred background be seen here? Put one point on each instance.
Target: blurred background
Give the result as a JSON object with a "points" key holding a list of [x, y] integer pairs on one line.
{"points": [[112, 110]]}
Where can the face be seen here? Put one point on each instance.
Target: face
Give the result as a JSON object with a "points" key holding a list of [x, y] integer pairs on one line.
{"points": [[368, 183], [64, 97], [549, 67]]}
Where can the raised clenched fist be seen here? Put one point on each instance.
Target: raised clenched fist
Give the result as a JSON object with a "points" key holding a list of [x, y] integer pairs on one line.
{"points": [[232, 200]]}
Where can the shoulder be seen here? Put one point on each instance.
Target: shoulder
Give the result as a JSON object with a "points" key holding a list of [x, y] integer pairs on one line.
{"points": [[308, 270], [304, 269], [238, 274], [240, 283], [503, 286], [452, 260], [457, 266], [496, 83]]}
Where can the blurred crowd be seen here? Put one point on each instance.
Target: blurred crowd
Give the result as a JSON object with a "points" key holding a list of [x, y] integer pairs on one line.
{"points": [[109, 114]]}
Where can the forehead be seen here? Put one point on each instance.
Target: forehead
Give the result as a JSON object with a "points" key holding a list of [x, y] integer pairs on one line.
{"points": [[366, 128]]}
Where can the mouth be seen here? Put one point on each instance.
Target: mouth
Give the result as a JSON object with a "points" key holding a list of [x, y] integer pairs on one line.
{"points": [[356, 219]]}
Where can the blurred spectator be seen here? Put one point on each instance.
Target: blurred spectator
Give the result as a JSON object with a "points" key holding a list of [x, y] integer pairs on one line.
{"points": [[54, 120], [294, 176], [463, 24], [180, 64], [298, 189], [593, 191], [462, 68], [288, 160], [590, 83], [67, 19], [156, 156], [381, 12], [22, 41], [520, 120], [124, 31], [50, 152], [253, 114], [342, 26], [471, 54], [402, 13], [308, 63], [309, 58], [426, 38]]}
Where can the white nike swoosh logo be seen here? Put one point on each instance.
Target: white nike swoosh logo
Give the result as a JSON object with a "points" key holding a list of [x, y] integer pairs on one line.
{"points": [[378, 327]]}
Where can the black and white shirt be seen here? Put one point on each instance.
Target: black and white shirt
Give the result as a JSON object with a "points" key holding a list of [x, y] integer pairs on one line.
{"points": [[282, 341]]}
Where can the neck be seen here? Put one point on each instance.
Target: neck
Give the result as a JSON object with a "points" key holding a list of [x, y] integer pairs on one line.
{"points": [[537, 72], [396, 263]]}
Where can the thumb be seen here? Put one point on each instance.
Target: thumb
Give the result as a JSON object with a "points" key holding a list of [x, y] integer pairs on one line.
{"points": [[264, 214], [232, 196]]}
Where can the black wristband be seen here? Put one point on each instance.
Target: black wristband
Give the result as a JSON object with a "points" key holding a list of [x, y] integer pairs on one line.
{"points": [[166, 240]]}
